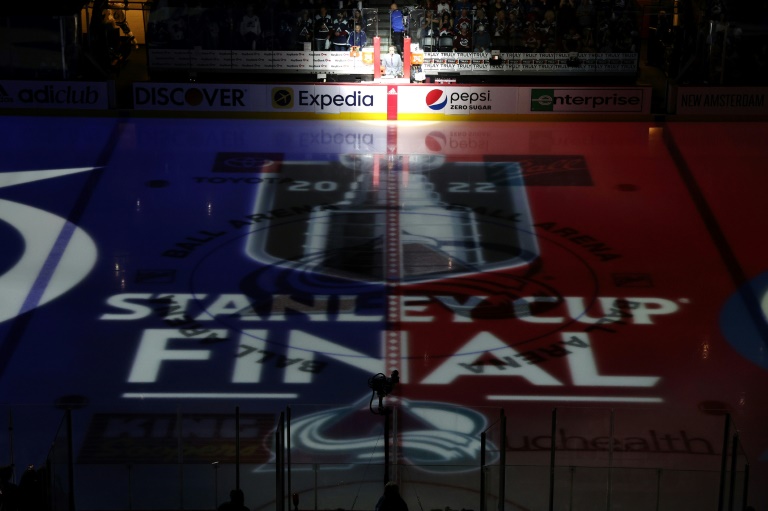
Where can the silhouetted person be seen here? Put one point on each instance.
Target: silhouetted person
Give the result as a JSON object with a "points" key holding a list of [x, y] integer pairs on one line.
{"points": [[236, 502], [391, 500], [9, 492], [31, 491]]}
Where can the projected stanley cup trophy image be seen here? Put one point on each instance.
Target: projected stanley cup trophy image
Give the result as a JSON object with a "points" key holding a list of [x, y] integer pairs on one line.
{"points": [[399, 219], [394, 230]]}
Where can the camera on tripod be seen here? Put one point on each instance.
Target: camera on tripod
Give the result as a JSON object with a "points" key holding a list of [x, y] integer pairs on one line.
{"points": [[382, 386]]}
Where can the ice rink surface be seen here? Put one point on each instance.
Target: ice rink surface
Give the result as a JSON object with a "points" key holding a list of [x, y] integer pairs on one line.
{"points": [[159, 268]]}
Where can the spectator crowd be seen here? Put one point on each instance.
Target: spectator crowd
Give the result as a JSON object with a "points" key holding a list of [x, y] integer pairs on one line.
{"points": [[438, 25], [530, 26], [257, 25]]}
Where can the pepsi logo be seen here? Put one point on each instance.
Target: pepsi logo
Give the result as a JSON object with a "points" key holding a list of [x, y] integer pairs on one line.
{"points": [[436, 141], [437, 99]]}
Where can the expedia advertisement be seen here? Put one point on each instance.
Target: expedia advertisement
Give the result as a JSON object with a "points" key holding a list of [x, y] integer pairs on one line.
{"points": [[177, 284], [54, 94], [346, 101]]}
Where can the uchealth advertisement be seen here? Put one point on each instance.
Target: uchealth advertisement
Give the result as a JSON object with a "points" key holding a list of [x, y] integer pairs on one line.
{"points": [[158, 273]]}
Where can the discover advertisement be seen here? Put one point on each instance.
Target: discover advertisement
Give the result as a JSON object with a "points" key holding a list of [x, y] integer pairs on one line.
{"points": [[200, 97]]}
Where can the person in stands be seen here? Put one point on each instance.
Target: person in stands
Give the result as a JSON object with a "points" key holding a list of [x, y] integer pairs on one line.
{"points": [[462, 42], [250, 28], [341, 30], [322, 30], [397, 21], [481, 40], [357, 38]]}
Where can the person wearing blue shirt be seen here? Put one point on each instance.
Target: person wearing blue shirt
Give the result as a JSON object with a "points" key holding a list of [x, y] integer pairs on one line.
{"points": [[397, 22], [357, 38]]}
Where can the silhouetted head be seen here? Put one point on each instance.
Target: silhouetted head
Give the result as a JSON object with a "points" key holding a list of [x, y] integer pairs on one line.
{"points": [[5, 473], [391, 489], [237, 496]]}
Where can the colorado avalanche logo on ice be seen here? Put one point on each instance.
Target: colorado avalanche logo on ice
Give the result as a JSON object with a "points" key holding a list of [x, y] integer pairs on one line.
{"points": [[437, 99], [446, 440]]}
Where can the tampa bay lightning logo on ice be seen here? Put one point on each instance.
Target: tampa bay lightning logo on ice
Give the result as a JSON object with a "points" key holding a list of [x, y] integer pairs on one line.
{"points": [[52, 255], [437, 99], [744, 322]]}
